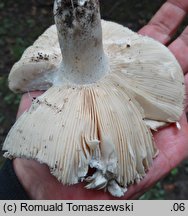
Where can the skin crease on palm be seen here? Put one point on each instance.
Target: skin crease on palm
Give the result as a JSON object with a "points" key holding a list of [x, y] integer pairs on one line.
{"points": [[171, 142]]}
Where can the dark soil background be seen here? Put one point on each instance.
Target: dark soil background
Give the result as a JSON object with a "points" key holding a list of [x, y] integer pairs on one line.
{"points": [[21, 22]]}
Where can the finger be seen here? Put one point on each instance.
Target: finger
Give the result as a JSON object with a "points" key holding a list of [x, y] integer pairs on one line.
{"points": [[180, 49], [26, 101], [186, 92], [166, 21]]}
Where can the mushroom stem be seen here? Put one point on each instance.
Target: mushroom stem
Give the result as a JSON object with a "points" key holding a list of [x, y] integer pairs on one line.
{"points": [[80, 36]]}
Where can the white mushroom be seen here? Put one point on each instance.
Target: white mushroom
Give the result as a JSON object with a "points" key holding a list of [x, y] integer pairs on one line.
{"points": [[103, 97]]}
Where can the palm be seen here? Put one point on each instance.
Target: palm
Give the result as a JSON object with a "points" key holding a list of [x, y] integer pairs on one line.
{"points": [[171, 142]]}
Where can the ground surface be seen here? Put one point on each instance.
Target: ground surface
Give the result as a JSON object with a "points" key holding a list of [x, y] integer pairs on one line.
{"points": [[21, 22]]}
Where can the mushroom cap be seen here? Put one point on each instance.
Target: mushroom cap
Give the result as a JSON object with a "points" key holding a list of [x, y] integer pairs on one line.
{"points": [[35, 70], [148, 68]]}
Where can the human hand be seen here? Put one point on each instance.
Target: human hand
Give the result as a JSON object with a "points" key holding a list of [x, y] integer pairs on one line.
{"points": [[171, 142]]}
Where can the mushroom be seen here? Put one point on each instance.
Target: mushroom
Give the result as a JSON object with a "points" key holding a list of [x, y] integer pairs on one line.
{"points": [[107, 87]]}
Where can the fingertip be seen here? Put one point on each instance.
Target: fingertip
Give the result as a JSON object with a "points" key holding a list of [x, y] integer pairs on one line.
{"points": [[151, 31]]}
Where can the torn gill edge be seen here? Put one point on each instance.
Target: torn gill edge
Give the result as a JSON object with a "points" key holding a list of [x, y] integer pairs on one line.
{"points": [[102, 173], [98, 177]]}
